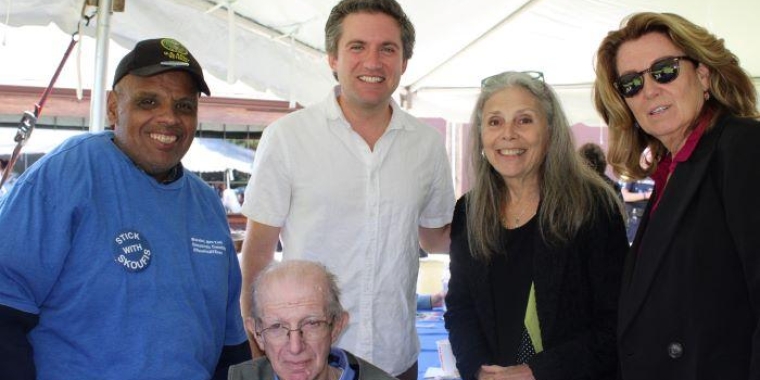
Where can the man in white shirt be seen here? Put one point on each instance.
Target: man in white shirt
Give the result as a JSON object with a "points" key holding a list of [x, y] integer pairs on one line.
{"points": [[356, 183]]}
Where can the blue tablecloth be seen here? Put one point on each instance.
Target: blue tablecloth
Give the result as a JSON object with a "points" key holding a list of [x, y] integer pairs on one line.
{"points": [[430, 328]]}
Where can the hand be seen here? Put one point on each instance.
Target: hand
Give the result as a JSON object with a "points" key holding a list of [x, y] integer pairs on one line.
{"points": [[436, 300], [495, 372]]}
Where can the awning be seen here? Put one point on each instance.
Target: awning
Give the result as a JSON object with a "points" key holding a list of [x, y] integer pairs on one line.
{"points": [[205, 154]]}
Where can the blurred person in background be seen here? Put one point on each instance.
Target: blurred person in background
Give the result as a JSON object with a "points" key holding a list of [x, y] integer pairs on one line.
{"points": [[594, 158], [636, 194], [11, 177]]}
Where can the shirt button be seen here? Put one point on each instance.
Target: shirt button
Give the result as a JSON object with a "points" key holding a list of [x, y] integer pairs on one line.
{"points": [[675, 350]]}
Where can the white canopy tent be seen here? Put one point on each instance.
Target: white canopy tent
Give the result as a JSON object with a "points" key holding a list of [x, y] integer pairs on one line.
{"points": [[217, 155], [205, 155], [42, 140], [279, 49]]}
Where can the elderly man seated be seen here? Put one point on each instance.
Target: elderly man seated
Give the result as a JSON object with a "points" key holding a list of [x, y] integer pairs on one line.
{"points": [[296, 317]]}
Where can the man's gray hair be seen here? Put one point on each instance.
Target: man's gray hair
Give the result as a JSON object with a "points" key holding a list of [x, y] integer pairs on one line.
{"points": [[299, 268]]}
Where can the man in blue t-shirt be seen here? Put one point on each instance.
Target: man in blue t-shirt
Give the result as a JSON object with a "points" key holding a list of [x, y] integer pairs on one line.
{"points": [[117, 263]]}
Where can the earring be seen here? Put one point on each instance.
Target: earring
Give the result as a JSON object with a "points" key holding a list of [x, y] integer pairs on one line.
{"points": [[707, 95], [482, 154], [636, 125]]}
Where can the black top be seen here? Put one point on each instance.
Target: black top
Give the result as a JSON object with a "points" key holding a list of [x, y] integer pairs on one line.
{"points": [[690, 300], [576, 287], [512, 274]]}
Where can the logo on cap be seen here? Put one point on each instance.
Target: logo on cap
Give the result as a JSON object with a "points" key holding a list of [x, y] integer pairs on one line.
{"points": [[155, 56], [174, 51]]}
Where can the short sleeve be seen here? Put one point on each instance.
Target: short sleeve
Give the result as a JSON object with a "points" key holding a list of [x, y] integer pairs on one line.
{"points": [[267, 196], [439, 207], [36, 226]]}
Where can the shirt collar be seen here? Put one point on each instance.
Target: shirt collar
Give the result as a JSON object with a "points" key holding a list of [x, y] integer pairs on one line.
{"points": [[337, 359], [667, 164], [334, 112], [691, 142], [175, 173]]}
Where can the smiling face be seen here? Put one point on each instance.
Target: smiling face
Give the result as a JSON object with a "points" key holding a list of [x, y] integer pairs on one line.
{"points": [[664, 111], [290, 300], [369, 61], [154, 119], [515, 134]]}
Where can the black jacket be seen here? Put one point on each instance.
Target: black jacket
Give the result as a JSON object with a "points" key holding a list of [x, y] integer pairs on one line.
{"points": [[576, 285], [690, 304]]}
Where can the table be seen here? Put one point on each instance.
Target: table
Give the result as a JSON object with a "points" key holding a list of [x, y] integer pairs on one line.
{"points": [[430, 328]]}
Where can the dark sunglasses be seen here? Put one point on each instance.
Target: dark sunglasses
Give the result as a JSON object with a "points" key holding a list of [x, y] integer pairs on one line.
{"points": [[537, 75], [662, 71]]}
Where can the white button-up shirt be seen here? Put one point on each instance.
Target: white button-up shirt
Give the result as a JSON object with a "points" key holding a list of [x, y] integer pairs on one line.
{"points": [[357, 211]]}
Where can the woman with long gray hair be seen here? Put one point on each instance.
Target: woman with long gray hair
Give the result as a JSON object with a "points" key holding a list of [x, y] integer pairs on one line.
{"points": [[537, 245]]}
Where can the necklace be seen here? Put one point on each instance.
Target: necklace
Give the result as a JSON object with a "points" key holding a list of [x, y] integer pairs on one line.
{"points": [[518, 216]]}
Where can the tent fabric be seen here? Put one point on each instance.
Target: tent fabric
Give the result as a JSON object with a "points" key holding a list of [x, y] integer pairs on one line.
{"points": [[216, 155], [40, 141], [205, 154], [279, 44]]}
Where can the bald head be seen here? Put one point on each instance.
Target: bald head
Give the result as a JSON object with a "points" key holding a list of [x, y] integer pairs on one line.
{"points": [[292, 274]]}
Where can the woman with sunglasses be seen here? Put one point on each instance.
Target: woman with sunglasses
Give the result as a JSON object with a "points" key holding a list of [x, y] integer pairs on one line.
{"points": [[690, 301], [537, 246]]}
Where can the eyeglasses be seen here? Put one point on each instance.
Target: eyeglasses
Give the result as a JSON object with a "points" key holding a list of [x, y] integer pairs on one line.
{"points": [[537, 75], [311, 330], [663, 71]]}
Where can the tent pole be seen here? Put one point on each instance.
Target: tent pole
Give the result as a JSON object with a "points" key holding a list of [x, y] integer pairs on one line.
{"points": [[98, 94]]}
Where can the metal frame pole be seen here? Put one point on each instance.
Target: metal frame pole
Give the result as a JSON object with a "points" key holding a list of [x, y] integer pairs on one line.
{"points": [[98, 94]]}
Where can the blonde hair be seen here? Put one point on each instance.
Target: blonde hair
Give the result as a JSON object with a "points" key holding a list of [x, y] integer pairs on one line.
{"points": [[731, 89]]}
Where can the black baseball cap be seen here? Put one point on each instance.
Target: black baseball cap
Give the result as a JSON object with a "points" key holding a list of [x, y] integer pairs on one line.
{"points": [[155, 56]]}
